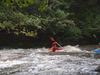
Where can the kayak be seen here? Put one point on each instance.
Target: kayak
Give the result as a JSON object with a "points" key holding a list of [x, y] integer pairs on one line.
{"points": [[97, 51]]}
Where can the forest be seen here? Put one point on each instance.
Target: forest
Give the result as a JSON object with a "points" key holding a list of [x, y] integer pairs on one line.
{"points": [[30, 23]]}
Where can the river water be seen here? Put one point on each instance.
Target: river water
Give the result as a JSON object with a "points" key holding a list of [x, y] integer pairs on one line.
{"points": [[29, 62]]}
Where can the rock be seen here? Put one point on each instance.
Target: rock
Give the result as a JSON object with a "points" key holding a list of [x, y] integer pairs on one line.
{"points": [[97, 69]]}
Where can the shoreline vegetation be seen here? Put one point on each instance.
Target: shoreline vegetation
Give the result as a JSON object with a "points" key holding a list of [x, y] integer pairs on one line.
{"points": [[30, 23]]}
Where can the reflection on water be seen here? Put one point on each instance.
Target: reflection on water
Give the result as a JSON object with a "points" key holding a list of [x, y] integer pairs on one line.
{"points": [[29, 62]]}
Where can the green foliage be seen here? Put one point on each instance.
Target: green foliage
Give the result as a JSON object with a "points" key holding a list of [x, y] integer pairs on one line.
{"points": [[68, 19], [43, 5], [19, 23], [60, 14], [20, 3], [24, 3]]}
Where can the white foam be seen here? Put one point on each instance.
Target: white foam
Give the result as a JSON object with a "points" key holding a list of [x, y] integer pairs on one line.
{"points": [[67, 48], [43, 63], [4, 64], [66, 63], [70, 48]]}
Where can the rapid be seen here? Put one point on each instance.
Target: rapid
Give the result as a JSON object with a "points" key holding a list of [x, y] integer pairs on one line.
{"points": [[30, 62]]}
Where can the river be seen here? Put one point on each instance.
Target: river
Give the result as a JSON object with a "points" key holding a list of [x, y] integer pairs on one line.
{"points": [[29, 62]]}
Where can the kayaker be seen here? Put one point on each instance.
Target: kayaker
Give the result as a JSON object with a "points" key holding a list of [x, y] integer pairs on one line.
{"points": [[53, 45]]}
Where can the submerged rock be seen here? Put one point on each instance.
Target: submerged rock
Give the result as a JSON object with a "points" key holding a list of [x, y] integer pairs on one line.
{"points": [[97, 69]]}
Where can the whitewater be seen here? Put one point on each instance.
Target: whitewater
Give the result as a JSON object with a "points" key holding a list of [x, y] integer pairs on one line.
{"points": [[30, 62]]}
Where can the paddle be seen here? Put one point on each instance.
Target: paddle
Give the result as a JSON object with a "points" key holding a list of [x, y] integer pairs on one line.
{"points": [[59, 45], [61, 48]]}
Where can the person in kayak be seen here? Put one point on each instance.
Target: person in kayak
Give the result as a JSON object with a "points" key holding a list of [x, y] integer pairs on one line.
{"points": [[54, 45]]}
